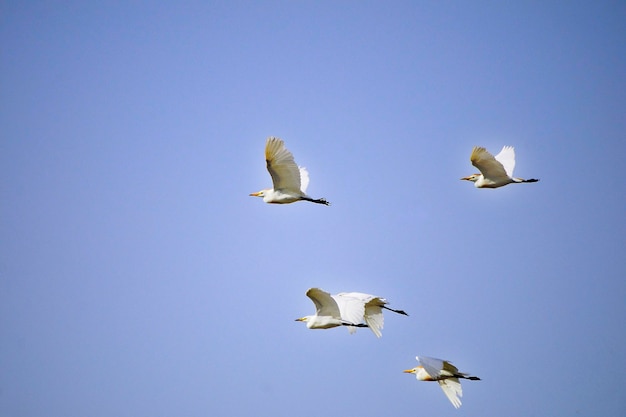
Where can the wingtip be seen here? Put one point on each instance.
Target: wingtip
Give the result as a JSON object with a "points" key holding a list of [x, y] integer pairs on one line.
{"points": [[476, 152], [272, 145]]}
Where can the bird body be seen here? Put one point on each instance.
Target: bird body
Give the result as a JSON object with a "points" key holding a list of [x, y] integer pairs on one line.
{"points": [[289, 181], [446, 374], [494, 171], [322, 322], [346, 309]]}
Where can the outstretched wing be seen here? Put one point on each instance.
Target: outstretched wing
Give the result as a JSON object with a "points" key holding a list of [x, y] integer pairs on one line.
{"points": [[507, 158], [432, 366], [281, 165], [488, 165], [452, 388], [370, 309], [325, 304], [304, 179], [374, 315], [351, 309]]}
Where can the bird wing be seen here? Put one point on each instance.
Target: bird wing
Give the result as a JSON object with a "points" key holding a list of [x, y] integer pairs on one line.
{"points": [[507, 158], [452, 388], [487, 164], [370, 311], [365, 298], [281, 165], [351, 309], [449, 369], [432, 366], [304, 179], [325, 304], [374, 315]]}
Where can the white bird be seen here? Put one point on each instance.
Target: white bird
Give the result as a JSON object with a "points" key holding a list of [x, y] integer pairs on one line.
{"points": [[290, 181], [446, 374], [494, 171], [347, 309], [327, 313]]}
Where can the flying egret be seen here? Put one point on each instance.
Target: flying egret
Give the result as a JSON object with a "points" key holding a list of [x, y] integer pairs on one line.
{"points": [[290, 181], [446, 374], [347, 309], [356, 307], [494, 171], [327, 313]]}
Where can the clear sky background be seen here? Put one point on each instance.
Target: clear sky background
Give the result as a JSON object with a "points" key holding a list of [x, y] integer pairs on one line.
{"points": [[138, 278]]}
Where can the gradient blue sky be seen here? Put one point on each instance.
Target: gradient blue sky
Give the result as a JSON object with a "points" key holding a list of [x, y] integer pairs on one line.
{"points": [[138, 278]]}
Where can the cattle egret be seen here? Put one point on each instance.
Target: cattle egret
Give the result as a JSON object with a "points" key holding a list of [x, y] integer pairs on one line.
{"points": [[446, 374], [327, 314], [290, 181], [347, 309], [494, 171]]}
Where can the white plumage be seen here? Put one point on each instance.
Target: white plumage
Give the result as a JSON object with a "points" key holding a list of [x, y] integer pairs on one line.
{"points": [[289, 181], [327, 312], [346, 309], [446, 374], [357, 307], [494, 171]]}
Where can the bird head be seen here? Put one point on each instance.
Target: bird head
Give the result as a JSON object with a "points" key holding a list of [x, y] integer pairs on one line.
{"points": [[307, 320], [472, 178], [258, 194], [419, 373]]}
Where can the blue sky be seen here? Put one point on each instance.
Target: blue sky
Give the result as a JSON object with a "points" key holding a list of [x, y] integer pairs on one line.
{"points": [[138, 278]]}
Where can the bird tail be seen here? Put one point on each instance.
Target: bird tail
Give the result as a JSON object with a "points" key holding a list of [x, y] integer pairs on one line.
{"points": [[395, 311]]}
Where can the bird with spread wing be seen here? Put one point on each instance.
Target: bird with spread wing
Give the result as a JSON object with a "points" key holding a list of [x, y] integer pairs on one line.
{"points": [[494, 171], [289, 181], [446, 374], [347, 309]]}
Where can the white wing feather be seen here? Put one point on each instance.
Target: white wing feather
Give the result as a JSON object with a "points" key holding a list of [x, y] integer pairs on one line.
{"points": [[374, 315], [304, 179], [351, 309], [281, 165], [432, 366], [325, 304], [452, 388], [488, 165], [370, 310], [507, 158]]}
